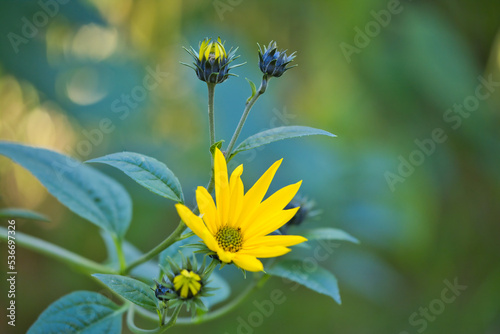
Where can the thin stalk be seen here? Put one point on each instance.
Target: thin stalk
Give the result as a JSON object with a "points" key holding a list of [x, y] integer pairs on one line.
{"points": [[57, 252], [173, 319], [134, 329], [119, 251], [172, 238], [211, 117], [211, 183], [131, 325], [211, 126], [246, 111]]}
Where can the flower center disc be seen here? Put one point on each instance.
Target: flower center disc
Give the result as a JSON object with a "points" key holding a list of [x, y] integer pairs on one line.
{"points": [[229, 238]]}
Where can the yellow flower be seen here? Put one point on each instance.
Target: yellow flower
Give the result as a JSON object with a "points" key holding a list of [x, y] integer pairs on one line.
{"points": [[237, 228], [213, 50], [187, 283]]}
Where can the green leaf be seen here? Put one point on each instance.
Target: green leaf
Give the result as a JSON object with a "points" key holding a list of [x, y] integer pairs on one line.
{"points": [[136, 291], [276, 134], [148, 172], [254, 89], [328, 233], [84, 190], [217, 144], [320, 280], [23, 214], [80, 312]]}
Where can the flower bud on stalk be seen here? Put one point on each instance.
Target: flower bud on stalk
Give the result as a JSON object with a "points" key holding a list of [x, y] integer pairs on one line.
{"points": [[211, 62], [273, 62]]}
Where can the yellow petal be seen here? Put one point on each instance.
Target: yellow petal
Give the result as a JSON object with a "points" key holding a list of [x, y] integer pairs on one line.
{"points": [[255, 195], [194, 287], [190, 274], [248, 262], [235, 177], [224, 54], [203, 47], [178, 282], [208, 48], [265, 251], [225, 256], [207, 209], [221, 186], [275, 240], [221, 51], [269, 224], [236, 202], [218, 51], [184, 290], [276, 202], [210, 241], [195, 223]]}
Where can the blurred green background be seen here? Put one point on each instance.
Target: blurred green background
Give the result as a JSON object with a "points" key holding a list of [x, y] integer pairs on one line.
{"points": [[59, 81]]}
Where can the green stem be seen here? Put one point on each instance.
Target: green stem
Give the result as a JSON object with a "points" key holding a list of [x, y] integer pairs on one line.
{"points": [[58, 253], [119, 252], [133, 328], [211, 183], [211, 127], [131, 325], [211, 117], [248, 107], [173, 319], [171, 239]]}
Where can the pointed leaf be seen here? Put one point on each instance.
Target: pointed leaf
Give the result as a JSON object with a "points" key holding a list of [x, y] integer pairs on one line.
{"points": [[328, 233], [23, 214], [276, 134], [80, 312], [254, 89], [148, 172], [215, 145], [136, 291], [320, 280], [82, 189]]}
